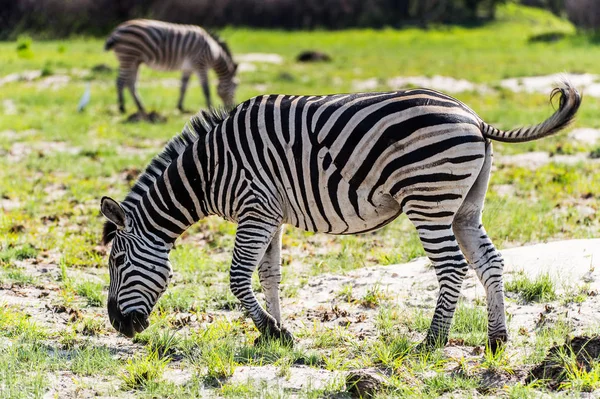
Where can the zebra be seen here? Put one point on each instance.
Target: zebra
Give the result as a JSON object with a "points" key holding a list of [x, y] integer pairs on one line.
{"points": [[168, 46], [337, 164]]}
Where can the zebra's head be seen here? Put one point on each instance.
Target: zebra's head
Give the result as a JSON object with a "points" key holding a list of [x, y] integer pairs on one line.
{"points": [[139, 271], [226, 88]]}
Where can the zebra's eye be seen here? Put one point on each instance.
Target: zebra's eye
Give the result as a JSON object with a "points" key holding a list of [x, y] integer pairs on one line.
{"points": [[119, 260]]}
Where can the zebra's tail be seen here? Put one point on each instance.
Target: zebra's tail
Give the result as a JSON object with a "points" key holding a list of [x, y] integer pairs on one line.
{"points": [[110, 42], [569, 102]]}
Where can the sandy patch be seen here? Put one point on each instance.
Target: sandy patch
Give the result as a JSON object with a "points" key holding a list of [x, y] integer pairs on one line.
{"points": [[10, 108], [21, 76], [53, 82], [9, 134], [54, 192], [585, 135], [365, 85], [442, 83], [7, 204], [170, 82], [537, 159], [66, 385], [136, 151], [504, 190], [80, 73], [19, 151], [266, 58], [260, 87], [414, 285], [299, 377], [246, 67], [587, 83]]}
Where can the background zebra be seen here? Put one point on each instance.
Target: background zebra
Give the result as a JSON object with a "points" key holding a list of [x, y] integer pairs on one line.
{"points": [[339, 164], [167, 46]]}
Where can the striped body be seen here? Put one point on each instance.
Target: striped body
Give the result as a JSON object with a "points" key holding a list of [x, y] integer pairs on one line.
{"points": [[166, 46], [340, 164], [330, 170]]}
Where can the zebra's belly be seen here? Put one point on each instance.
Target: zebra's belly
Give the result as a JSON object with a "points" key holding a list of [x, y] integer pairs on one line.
{"points": [[369, 215], [344, 216], [175, 65]]}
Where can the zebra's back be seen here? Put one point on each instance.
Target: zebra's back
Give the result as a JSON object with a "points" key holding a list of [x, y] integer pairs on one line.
{"points": [[345, 163], [162, 45]]}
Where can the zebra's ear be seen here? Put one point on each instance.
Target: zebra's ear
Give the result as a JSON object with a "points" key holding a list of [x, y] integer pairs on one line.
{"points": [[235, 66], [113, 211]]}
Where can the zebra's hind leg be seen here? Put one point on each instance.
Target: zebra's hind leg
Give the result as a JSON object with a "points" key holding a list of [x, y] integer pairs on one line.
{"points": [[185, 78], [450, 267], [121, 83], [251, 242], [132, 86], [482, 254], [432, 213]]}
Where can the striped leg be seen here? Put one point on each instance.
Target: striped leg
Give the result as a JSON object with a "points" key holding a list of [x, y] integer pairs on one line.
{"points": [[185, 78], [203, 76], [121, 83], [269, 273], [482, 254], [450, 267], [128, 70], [251, 242], [132, 86]]}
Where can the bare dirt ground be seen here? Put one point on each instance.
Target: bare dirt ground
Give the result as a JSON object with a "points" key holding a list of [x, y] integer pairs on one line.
{"points": [[412, 285]]}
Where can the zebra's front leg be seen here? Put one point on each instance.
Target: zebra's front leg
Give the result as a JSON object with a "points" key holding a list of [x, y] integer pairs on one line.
{"points": [[252, 240], [450, 267], [269, 273], [203, 76]]}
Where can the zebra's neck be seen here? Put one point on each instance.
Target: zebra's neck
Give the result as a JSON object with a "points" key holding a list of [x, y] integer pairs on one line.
{"points": [[224, 67], [175, 200]]}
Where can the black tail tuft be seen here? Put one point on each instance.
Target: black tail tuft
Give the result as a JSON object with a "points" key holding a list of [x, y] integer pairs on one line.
{"points": [[568, 104], [110, 42]]}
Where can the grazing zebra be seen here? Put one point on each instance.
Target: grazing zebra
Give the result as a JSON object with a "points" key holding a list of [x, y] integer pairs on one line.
{"points": [[338, 164], [166, 46]]}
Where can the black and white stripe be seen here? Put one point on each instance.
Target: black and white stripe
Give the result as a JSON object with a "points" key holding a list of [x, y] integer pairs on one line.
{"points": [[167, 46], [339, 164]]}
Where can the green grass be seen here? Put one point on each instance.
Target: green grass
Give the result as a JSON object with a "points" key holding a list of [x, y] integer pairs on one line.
{"points": [[90, 361], [540, 289], [18, 253], [470, 324], [15, 324], [142, 371], [92, 292]]}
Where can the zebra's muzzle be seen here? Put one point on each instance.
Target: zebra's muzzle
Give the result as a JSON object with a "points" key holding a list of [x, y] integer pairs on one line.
{"points": [[129, 324]]}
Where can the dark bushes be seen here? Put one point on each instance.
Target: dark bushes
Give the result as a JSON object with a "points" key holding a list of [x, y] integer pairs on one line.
{"points": [[59, 18], [584, 14]]}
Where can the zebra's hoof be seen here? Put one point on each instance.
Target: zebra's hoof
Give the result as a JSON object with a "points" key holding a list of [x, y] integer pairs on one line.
{"points": [[430, 344], [424, 346], [282, 334], [497, 342]]}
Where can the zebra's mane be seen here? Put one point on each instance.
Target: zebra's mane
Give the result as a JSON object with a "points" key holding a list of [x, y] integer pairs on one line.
{"points": [[196, 129], [221, 43]]}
